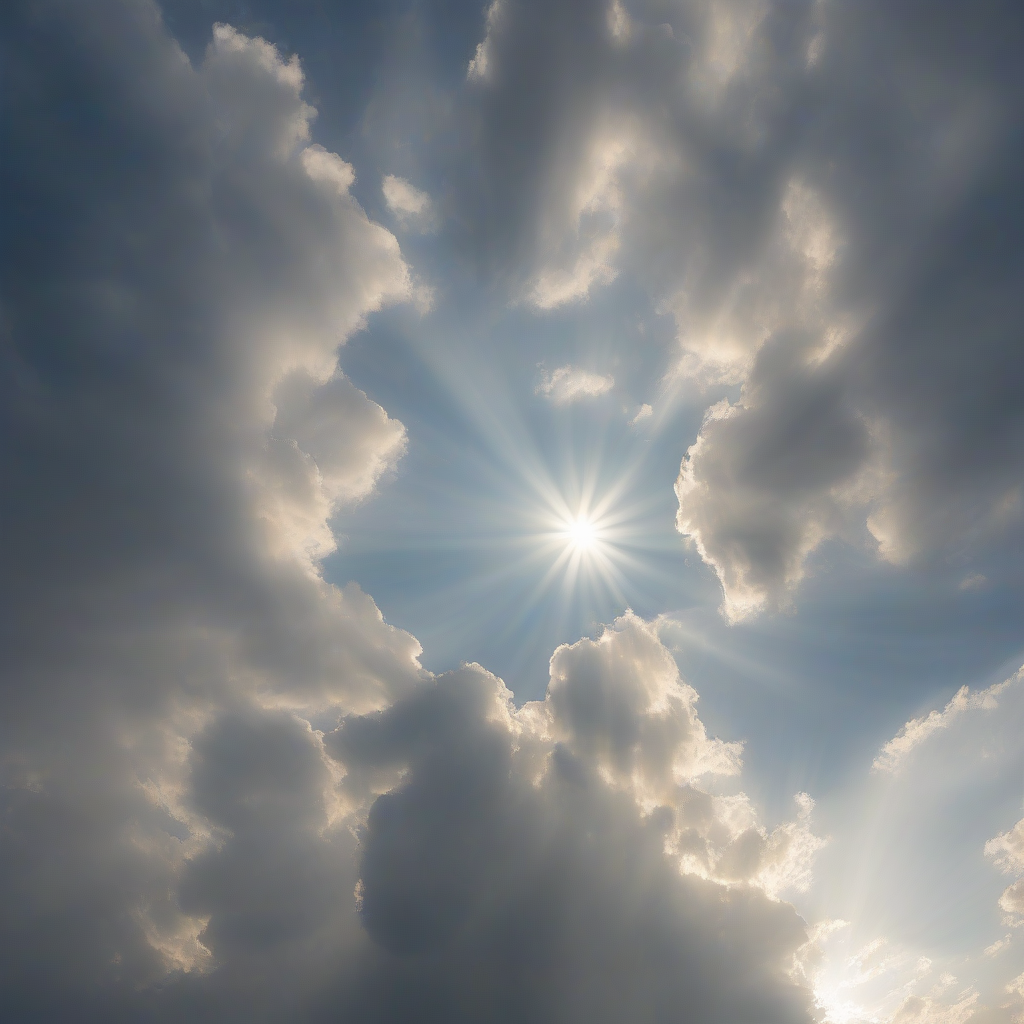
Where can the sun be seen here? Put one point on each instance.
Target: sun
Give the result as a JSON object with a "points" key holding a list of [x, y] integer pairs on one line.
{"points": [[582, 534]]}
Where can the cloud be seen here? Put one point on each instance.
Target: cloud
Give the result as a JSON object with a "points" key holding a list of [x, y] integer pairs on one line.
{"points": [[229, 790], [480, 66], [645, 412], [327, 447], [1007, 852], [746, 485], [536, 824], [619, 704], [177, 432], [410, 205], [570, 384], [917, 730], [858, 257]]}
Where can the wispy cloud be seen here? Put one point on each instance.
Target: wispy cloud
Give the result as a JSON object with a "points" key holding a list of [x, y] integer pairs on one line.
{"points": [[917, 730]]}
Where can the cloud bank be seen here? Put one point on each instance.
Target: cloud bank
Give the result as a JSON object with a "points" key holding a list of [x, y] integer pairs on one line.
{"points": [[229, 789]]}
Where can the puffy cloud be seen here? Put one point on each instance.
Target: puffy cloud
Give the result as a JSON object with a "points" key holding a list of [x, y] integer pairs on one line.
{"points": [[176, 433], [746, 486], [729, 158], [229, 790], [1011, 902], [618, 704], [1007, 852], [527, 849], [569, 384], [410, 205], [328, 446]]}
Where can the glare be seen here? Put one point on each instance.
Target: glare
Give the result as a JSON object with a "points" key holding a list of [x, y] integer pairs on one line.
{"points": [[582, 533]]}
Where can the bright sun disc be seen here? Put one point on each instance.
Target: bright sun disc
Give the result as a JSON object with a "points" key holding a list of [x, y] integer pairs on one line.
{"points": [[581, 533]]}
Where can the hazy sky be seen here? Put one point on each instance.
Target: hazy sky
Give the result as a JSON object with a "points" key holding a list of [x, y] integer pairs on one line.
{"points": [[512, 513]]}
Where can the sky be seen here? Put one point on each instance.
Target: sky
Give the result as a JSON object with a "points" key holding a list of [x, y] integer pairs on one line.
{"points": [[512, 511]]}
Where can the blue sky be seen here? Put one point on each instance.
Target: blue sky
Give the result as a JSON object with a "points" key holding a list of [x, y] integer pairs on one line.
{"points": [[513, 512]]}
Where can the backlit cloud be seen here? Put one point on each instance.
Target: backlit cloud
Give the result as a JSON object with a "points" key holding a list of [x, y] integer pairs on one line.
{"points": [[570, 384], [409, 204], [232, 787]]}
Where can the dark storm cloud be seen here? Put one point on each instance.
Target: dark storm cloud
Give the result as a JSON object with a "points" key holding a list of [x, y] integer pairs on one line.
{"points": [[179, 267]]}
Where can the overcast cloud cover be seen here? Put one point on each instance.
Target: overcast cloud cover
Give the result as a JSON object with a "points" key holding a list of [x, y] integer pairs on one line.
{"points": [[438, 316]]}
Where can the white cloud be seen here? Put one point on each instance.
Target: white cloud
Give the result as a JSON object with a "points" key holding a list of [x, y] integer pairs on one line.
{"points": [[410, 205], [917, 730], [555, 286], [645, 412], [480, 65], [570, 384], [619, 705], [328, 446], [1007, 850]]}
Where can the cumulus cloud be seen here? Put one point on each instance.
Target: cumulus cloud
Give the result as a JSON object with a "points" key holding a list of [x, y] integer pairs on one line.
{"points": [[176, 432], [229, 789], [570, 384], [537, 823], [663, 146], [328, 445], [745, 485], [1007, 850], [411, 206], [1007, 853], [619, 703]]}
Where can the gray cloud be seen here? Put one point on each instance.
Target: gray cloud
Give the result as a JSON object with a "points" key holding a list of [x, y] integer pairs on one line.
{"points": [[173, 256], [840, 242], [509, 860], [187, 829]]}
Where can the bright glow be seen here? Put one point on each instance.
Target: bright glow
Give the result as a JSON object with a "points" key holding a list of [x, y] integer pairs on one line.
{"points": [[582, 534]]}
